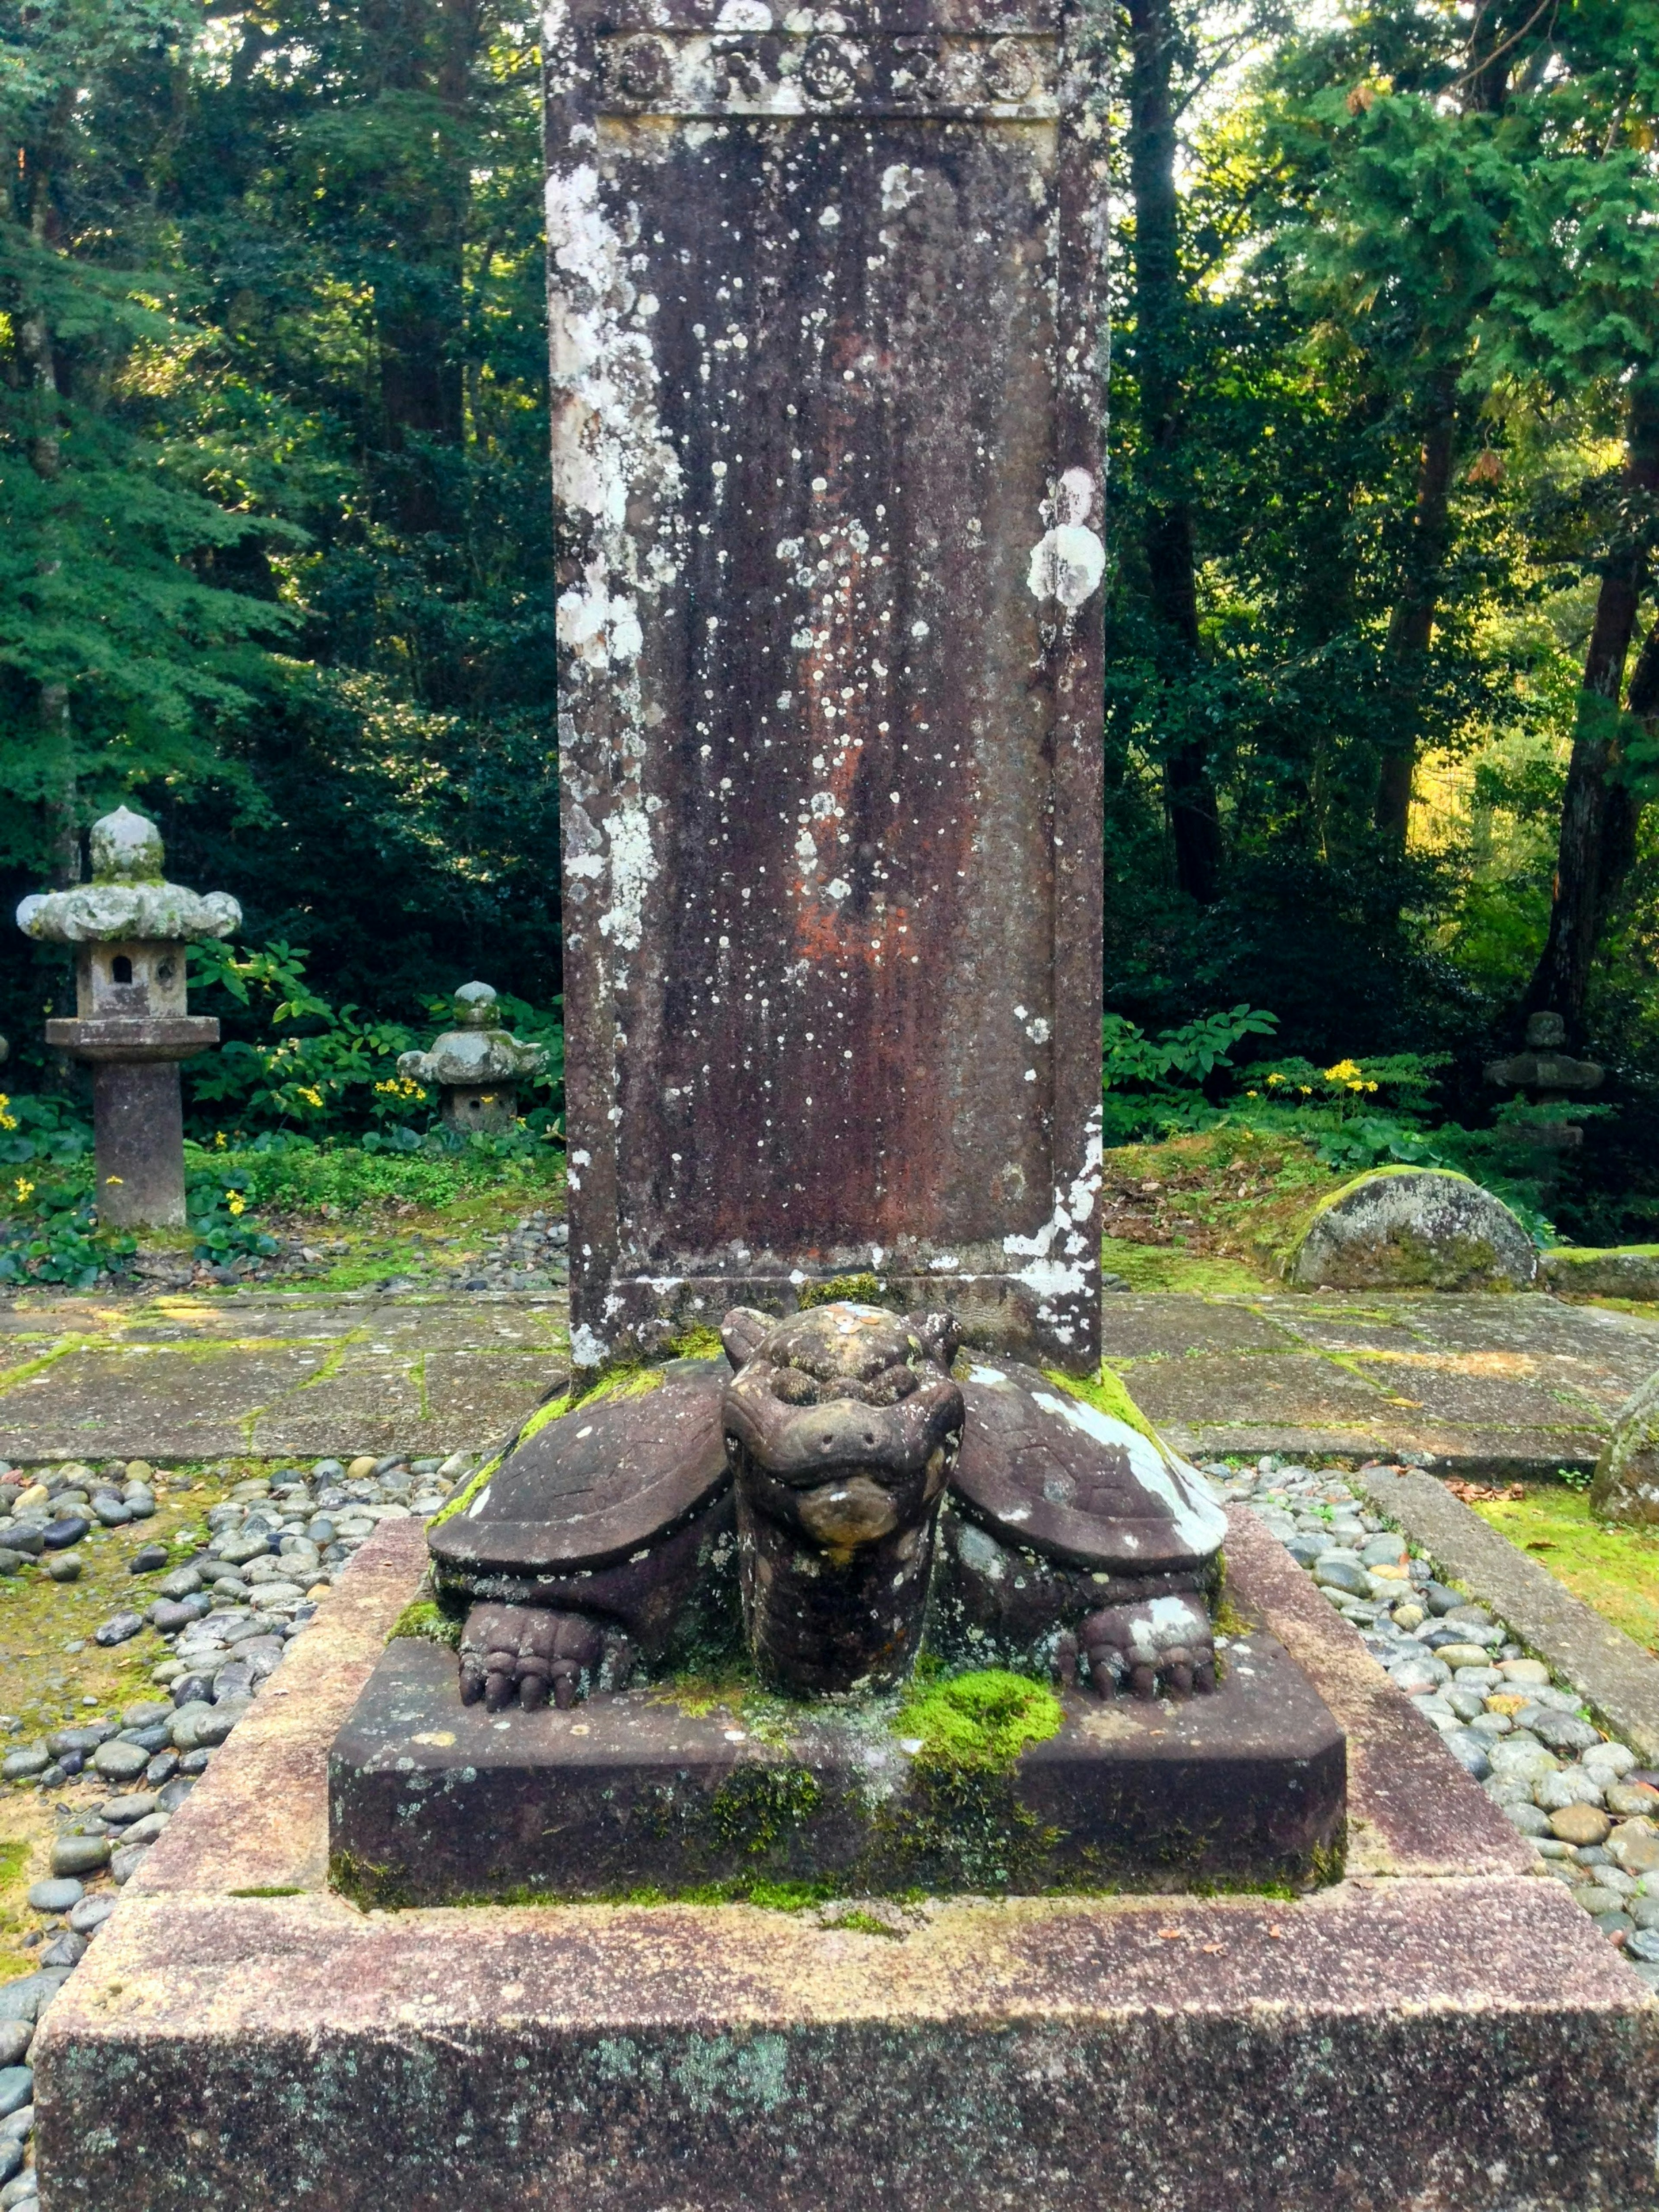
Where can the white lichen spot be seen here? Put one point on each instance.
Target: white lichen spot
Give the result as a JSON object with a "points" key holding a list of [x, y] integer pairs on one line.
{"points": [[1067, 564]]}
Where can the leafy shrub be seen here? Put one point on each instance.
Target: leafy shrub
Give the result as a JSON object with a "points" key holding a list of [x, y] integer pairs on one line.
{"points": [[324, 1069]]}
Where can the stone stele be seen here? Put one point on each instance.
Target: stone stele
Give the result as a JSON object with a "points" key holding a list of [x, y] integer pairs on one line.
{"points": [[1626, 1482], [1423, 1229], [826, 318]]}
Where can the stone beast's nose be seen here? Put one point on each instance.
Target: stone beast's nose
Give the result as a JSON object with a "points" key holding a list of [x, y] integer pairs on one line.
{"points": [[803, 1445]]}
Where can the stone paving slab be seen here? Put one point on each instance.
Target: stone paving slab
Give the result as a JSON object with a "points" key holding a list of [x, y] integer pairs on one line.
{"points": [[1618, 1678], [1486, 1386], [1438, 2030], [194, 1377], [1470, 1385]]}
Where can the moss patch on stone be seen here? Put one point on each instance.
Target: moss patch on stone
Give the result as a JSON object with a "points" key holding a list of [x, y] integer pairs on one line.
{"points": [[424, 1619], [757, 1807], [465, 1496], [852, 1290], [1108, 1393], [978, 1724]]}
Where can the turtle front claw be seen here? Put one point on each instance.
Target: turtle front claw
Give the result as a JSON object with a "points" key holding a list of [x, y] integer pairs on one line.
{"points": [[1163, 1643], [523, 1654]]}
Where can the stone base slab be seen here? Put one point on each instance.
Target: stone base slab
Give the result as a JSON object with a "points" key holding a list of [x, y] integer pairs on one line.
{"points": [[1442, 2031], [431, 1801]]}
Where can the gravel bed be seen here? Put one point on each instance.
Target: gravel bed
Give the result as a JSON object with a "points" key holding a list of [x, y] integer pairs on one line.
{"points": [[1584, 1799], [222, 1614]]}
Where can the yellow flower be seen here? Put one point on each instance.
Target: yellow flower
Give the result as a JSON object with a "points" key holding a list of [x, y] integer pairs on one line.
{"points": [[24, 1189], [219, 1138], [237, 1203], [310, 1093], [1256, 1093], [7, 1121], [1345, 1071], [1275, 1079]]}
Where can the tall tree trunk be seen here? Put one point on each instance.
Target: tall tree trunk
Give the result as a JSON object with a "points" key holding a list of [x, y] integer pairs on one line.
{"points": [[425, 46], [45, 452], [1411, 626], [1598, 824], [1160, 320]]}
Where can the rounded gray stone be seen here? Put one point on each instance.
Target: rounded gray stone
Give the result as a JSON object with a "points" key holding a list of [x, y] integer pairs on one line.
{"points": [[1527, 1819], [120, 1762], [80, 1855], [1341, 1571], [57, 1894], [1414, 1229]]}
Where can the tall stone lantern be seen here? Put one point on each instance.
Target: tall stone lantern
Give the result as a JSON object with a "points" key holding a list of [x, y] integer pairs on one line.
{"points": [[476, 1068], [130, 928]]}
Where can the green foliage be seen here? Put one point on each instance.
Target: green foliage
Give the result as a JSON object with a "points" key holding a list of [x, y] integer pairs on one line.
{"points": [[49, 1234]]}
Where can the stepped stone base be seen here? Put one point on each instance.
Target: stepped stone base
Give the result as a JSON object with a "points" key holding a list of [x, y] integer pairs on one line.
{"points": [[1440, 2029]]}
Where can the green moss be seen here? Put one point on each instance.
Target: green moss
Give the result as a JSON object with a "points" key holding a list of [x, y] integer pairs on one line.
{"points": [[1172, 1267], [854, 1290], [866, 1924], [1378, 1175], [1108, 1393], [465, 1496], [697, 1344], [274, 1889], [979, 1723], [1616, 1569], [757, 1806], [426, 1620]]}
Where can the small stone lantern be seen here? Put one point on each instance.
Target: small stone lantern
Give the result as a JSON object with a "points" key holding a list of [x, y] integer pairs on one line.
{"points": [[1545, 1072], [130, 928], [476, 1069]]}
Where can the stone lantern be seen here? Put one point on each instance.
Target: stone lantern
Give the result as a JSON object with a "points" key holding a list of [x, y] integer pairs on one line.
{"points": [[130, 928], [1549, 1077], [477, 1069]]}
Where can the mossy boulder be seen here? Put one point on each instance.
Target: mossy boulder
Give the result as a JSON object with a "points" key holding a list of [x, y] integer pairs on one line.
{"points": [[1414, 1229], [1619, 1271], [1626, 1482]]}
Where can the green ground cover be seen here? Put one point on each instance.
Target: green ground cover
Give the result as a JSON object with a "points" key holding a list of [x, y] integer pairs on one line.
{"points": [[1614, 1569], [50, 1668]]}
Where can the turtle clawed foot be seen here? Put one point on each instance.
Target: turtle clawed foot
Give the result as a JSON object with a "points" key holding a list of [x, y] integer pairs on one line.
{"points": [[1162, 1645], [521, 1654]]}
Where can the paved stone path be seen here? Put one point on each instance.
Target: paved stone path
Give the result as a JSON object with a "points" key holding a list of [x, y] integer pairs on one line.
{"points": [[1470, 1385], [200, 1378], [1490, 1386]]}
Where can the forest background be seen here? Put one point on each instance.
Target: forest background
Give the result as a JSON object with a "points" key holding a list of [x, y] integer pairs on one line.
{"points": [[1381, 726]]}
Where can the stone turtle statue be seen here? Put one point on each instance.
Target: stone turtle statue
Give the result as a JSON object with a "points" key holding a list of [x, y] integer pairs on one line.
{"points": [[839, 1490]]}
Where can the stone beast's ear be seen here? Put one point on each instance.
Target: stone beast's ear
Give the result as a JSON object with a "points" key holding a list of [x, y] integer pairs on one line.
{"points": [[741, 1333], [940, 1334]]}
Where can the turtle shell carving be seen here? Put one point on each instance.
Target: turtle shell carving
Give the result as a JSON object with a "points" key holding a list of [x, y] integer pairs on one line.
{"points": [[1053, 1473], [592, 1487]]}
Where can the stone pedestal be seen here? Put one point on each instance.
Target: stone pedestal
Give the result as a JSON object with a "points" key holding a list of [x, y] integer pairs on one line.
{"points": [[138, 1120], [1442, 2031], [431, 1801], [825, 332]]}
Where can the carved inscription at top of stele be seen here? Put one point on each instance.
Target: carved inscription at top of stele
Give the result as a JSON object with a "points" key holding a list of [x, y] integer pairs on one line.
{"points": [[993, 74]]}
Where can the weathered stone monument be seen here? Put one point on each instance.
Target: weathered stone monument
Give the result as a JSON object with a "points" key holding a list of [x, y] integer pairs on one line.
{"points": [[929, 1829], [130, 928], [826, 332], [476, 1068]]}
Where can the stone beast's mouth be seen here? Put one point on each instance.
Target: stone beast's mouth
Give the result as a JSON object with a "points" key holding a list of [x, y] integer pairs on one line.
{"points": [[845, 1474]]}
